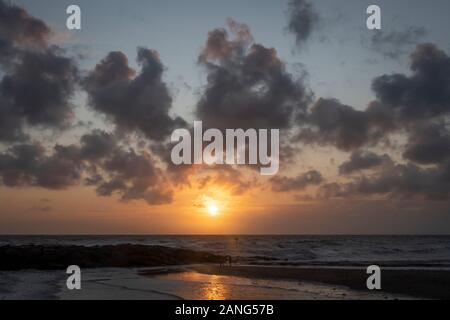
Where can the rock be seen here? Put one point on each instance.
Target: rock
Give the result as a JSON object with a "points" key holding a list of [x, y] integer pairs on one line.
{"points": [[124, 255]]}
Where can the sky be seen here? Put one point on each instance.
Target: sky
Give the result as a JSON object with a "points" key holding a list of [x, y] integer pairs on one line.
{"points": [[86, 116]]}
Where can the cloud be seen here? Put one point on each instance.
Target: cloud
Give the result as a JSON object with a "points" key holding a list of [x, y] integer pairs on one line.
{"points": [[331, 122], [179, 175], [415, 106], [226, 177], [113, 169], [402, 181], [286, 184], [363, 160], [10, 123], [133, 102], [303, 20], [97, 144], [404, 104], [394, 44], [247, 84], [428, 144], [99, 160], [40, 87], [18, 29], [38, 80], [29, 165], [134, 176], [219, 47], [423, 95]]}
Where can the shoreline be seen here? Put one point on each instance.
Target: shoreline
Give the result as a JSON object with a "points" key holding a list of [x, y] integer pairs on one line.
{"points": [[159, 261], [211, 282], [179, 283], [427, 284]]}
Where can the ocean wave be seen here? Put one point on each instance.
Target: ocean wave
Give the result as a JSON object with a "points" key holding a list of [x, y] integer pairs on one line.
{"points": [[282, 250]]}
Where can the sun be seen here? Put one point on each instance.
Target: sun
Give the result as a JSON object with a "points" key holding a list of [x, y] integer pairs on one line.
{"points": [[213, 204], [212, 208]]}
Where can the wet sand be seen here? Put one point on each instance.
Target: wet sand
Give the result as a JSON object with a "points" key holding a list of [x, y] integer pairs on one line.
{"points": [[170, 283], [431, 284], [155, 272]]}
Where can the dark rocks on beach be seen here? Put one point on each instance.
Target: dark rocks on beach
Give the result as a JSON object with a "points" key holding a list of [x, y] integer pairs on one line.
{"points": [[42, 257]]}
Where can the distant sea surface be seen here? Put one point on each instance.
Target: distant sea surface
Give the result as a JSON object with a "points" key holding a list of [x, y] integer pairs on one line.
{"points": [[395, 251]]}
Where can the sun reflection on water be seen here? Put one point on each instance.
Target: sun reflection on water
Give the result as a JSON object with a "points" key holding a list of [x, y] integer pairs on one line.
{"points": [[208, 287], [214, 290]]}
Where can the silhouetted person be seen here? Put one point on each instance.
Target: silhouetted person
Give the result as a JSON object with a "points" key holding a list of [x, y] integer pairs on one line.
{"points": [[226, 259]]}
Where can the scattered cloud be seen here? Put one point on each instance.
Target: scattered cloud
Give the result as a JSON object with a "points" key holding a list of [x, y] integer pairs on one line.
{"points": [[133, 102], [248, 85], [422, 95], [330, 122], [303, 20], [401, 181], [300, 182], [363, 160], [396, 43], [429, 144], [38, 81]]}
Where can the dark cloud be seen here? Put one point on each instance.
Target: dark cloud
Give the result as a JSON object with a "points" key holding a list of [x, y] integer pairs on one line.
{"points": [[247, 84], [285, 184], [394, 44], [10, 123], [132, 102], [29, 165], [403, 181], [330, 122], [415, 105], [404, 103], [179, 175], [99, 160], [38, 80], [113, 169], [236, 180], [62, 169], [40, 87], [97, 144], [133, 176], [363, 160], [220, 48], [303, 19], [18, 29], [428, 144], [425, 94]]}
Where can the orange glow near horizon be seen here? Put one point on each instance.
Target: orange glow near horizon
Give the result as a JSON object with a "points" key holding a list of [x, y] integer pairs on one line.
{"points": [[214, 201], [212, 209]]}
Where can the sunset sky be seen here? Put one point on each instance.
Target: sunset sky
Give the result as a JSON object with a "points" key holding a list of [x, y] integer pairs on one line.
{"points": [[86, 116]]}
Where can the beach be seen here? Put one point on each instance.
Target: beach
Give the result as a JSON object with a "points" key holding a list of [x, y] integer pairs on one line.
{"points": [[175, 283], [262, 268], [419, 283]]}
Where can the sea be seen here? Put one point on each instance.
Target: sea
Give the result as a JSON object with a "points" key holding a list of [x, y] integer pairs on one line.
{"points": [[285, 250]]}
